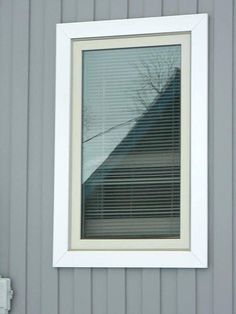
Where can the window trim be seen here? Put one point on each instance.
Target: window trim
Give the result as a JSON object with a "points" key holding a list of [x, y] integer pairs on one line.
{"points": [[196, 256]]}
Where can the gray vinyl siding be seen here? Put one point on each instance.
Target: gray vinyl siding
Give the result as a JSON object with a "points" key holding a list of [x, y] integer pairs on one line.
{"points": [[27, 81]]}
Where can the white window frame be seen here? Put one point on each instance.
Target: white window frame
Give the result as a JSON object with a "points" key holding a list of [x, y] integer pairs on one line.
{"points": [[75, 240], [196, 255]]}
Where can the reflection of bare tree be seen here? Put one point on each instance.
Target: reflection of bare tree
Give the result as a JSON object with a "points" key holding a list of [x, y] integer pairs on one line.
{"points": [[153, 76], [87, 119]]}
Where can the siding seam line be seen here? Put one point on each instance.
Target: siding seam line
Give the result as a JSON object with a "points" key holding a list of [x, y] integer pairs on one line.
{"points": [[27, 161]]}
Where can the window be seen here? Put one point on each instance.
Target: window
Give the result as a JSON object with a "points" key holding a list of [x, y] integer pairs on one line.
{"points": [[129, 151], [131, 135]]}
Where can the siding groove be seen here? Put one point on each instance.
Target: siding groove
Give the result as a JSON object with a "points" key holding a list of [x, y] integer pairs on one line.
{"points": [[234, 156]]}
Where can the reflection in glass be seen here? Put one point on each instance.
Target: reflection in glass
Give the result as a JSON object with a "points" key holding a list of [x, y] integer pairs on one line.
{"points": [[131, 143]]}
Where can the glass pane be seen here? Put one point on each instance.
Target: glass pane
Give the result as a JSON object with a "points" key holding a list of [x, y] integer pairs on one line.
{"points": [[131, 143]]}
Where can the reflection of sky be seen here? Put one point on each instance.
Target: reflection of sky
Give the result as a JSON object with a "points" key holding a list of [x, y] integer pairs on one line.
{"points": [[111, 80]]}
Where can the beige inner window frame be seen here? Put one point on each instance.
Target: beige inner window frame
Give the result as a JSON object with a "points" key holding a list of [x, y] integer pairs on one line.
{"points": [[75, 241]]}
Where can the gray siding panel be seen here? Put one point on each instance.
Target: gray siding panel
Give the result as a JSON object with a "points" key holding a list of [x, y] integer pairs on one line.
{"points": [[83, 291], [66, 293], [204, 279], [116, 290], [99, 291], [134, 291], [151, 292], [118, 9], [85, 10], [152, 8], [5, 133], [168, 291], [222, 243], [136, 8], [27, 81], [69, 10], [102, 9], [186, 291], [18, 154], [187, 6], [170, 7], [35, 159]]}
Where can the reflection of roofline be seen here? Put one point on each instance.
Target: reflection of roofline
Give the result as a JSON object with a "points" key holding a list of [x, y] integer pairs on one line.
{"points": [[157, 101], [136, 118], [110, 129]]}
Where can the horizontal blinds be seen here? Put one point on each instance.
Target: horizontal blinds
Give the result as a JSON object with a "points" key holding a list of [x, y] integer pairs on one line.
{"points": [[132, 184]]}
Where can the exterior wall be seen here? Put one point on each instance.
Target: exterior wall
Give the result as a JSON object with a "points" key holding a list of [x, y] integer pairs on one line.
{"points": [[27, 79]]}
